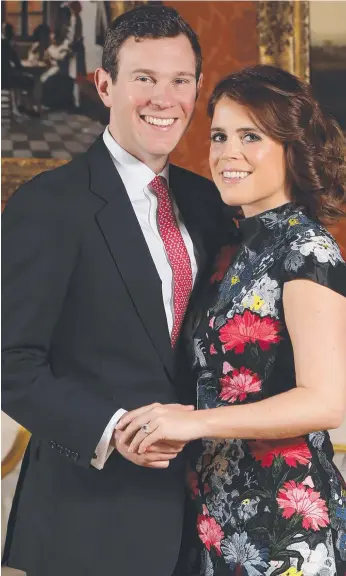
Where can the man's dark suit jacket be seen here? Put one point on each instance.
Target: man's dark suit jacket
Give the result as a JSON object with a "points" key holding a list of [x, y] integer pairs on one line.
{"points": [[85, 333]]}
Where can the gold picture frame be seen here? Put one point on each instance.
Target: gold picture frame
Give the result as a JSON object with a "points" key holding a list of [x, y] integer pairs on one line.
{"points": [[17, 171], [118, 8], [284, 35], [16, 452]]}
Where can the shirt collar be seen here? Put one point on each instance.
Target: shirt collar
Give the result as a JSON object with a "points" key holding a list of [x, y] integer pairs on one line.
{"points": [[135, 175]]}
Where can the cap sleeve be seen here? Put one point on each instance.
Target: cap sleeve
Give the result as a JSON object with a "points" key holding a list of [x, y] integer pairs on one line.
{"points": [[315, 256]]}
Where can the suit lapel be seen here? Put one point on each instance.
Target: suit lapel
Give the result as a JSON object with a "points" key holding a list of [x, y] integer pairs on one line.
{"points": [[125, 241]]}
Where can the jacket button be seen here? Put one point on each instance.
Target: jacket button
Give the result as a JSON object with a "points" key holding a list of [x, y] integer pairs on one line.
{"points": [[52, 444]]}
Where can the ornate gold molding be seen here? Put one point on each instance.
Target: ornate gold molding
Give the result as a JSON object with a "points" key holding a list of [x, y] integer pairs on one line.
{"points": [[301, 36], [16, 171], [284, 35], [117, 8]]}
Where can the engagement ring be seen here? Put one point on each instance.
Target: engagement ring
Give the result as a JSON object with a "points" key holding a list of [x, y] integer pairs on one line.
{"points": [[145, 428]]}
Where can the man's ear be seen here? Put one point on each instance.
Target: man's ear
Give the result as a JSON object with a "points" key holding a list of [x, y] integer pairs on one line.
{"points": [[199, 85], [103, 83]]}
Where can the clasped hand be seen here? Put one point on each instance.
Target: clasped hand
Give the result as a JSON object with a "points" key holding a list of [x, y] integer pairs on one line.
{"points": [[170, 427]]}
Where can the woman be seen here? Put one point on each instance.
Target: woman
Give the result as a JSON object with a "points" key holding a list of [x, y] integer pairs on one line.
{"points": [[41, 42], [53, 55], [269, 340]]}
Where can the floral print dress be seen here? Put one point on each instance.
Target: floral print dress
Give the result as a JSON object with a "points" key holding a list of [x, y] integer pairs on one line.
{"points": [[264, 507]]}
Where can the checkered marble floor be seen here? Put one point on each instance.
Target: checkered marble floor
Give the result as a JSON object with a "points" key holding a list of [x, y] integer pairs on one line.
{"points": [[54, 135]]}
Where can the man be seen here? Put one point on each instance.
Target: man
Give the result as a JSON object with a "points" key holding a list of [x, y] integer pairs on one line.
{"points": [[69, 30], [98, 266], [10, 61], [13, 75]]}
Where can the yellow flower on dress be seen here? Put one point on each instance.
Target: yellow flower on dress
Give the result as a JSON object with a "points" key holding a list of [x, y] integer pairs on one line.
{"points": [[235, 280], [293, 221], [257, 302], [292, 572]]}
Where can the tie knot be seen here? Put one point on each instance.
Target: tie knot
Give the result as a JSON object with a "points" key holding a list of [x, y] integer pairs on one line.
{"points": [[159, 185]]}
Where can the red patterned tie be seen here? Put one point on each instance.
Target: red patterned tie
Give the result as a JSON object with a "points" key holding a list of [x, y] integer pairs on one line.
{"points": [[176, 251]]}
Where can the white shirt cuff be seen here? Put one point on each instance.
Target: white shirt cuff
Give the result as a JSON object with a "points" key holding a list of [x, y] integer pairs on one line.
{"points": [[103, 449]]}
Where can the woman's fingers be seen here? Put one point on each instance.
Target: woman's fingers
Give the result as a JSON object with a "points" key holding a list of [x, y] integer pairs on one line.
{"points": [[139, 437], [130, 416], [183, 407], [131, 423], [156, 436], [131, 430]]}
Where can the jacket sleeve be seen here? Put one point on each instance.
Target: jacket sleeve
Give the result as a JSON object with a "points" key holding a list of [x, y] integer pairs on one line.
{"points": [[40, 244]]}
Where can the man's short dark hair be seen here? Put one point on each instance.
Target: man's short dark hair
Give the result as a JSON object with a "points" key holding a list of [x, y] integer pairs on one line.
{"points": [[147, 21]]}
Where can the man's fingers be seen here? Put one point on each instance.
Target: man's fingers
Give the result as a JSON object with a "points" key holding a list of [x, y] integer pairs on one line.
{"points": [[129, 416], [166, 448], [164, 464], [159, 457]]}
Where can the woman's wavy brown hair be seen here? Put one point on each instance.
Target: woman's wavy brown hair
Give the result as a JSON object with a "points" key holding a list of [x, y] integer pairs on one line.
{"points": [[283, 107]]}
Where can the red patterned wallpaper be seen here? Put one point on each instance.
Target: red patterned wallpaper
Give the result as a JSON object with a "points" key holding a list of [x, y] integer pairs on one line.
{"points": [[228, 36]]}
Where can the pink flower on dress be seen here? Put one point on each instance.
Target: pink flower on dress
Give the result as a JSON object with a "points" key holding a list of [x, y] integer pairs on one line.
{"points": [[309, 482], [294, 451], [212, 349], [226, 367], [249, 327], [296, 498], [210, 532], [237, 386]]}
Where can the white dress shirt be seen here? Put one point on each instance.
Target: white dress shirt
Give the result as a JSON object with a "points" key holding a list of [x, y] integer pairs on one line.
{"points": [[136, 177]]}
